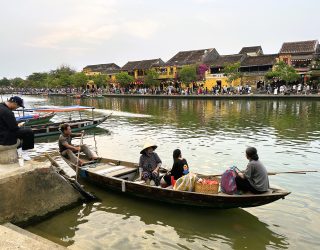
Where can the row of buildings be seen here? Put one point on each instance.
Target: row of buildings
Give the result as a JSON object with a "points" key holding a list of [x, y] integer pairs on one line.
{"points": [[254, 64]]}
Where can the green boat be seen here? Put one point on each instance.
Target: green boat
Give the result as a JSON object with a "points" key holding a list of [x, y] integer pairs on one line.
{"points": [[48, 129], [35, 119]]}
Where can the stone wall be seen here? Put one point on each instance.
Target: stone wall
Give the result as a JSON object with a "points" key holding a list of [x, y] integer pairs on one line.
{"points": [[33, 191]]}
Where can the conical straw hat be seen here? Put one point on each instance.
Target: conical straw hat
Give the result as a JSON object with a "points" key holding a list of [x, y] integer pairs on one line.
{"points": [[148, 145]]}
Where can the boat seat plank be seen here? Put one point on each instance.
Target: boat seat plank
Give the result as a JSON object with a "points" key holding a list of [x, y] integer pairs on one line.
{"points": [[111, 170]]}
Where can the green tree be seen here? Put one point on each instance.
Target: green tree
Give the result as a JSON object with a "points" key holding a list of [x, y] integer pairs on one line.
{"points": [[99, 80], [284, 72], [62, 76], [79, 80], [4, 82], [18, 82], [231, 71], [151, 78], [188, 74], [63, 70], [123, 78], [37, 79]]}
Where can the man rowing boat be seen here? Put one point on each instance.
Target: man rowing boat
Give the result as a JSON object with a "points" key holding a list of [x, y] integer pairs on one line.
{"points": [[68, 150]]}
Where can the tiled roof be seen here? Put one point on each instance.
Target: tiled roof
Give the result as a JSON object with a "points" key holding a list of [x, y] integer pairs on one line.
{"points": [[103, 68], [227, 59], [252, 49], [299, 47], [193, 57], [144, 64], [259, 60]]}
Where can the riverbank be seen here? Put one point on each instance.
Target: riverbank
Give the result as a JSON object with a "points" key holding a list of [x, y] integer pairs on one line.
{"points": [[29, 194], [213, 97], [13, 237]]}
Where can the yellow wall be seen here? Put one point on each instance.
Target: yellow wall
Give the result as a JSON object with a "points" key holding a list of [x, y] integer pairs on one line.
{"points": [[169, 74], [212, 82]]}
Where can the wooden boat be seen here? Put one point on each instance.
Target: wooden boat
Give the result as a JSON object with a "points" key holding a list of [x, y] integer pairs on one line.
{"points": [[76, 125], [35, 119], [120, 175], [94, 96]]}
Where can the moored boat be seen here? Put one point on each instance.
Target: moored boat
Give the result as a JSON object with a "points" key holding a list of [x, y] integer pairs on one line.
{"points": [[121, 175], [35, 118], [76, 125]]}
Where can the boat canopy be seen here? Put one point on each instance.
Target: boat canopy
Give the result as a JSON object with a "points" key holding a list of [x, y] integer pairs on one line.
{"points": [[60, 108]]}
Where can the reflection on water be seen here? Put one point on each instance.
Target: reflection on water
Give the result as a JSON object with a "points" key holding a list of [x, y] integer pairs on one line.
{"points": [[126, 223], [212, 135]]}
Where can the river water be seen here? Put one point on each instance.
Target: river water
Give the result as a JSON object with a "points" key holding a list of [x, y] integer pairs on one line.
{"points": [[212, 135]]}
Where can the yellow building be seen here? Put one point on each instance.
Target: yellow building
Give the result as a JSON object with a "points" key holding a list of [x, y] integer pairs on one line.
{"points": [[139, 69], [299, 54], [215, 77], [170, 70], [109, 70], [253, 66]]}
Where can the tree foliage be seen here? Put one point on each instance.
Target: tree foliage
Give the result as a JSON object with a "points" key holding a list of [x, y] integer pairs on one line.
{"points": [[231, 71], [4, 82], [188, 74], [79, 80], [99, 80], [284, 72], [151, 78], [123, 78]]}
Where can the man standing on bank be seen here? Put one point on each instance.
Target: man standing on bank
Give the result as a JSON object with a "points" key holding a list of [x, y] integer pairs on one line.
{"points": [[10, 131], [68, 150]]}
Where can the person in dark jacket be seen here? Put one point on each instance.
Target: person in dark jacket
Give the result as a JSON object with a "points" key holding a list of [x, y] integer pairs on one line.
{"points": [[10, 131], [180, 167], [150, 164]]}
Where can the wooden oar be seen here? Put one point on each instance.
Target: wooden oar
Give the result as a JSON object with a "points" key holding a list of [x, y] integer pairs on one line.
{"points": [[293, 172], [269, 173], [87, 196], [78, 157]]}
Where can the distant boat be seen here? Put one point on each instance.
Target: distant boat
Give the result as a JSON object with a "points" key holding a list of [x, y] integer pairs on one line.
{"points": [[35, 118], [48, 129], [94, 96], [120, 176]]}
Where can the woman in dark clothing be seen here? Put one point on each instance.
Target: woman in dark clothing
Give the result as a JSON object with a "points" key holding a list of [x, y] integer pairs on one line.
{"points": [[180, 167], [255, 177], [150, 164]]}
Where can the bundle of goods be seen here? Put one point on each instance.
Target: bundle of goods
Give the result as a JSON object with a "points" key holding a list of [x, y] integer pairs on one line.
{"points": [[207, 186]]}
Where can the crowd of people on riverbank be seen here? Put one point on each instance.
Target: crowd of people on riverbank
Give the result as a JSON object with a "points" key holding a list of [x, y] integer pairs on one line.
{"points": [[266, 89]]}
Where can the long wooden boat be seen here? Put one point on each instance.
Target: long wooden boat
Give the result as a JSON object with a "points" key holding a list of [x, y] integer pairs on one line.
{"points": [[35, 119], [76, 125], [121, 175]]}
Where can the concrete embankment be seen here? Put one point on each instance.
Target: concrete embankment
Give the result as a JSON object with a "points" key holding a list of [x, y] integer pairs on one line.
{"points": [[216, 97], [13, 237], [32, 192]]}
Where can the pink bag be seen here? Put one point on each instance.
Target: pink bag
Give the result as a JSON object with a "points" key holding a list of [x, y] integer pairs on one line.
{"points": [[228, 181]]}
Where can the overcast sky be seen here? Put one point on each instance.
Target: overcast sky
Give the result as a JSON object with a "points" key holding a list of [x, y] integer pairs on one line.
{"points": [[40, 35]]}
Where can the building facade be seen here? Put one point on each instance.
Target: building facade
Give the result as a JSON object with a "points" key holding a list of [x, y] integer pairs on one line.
{"points": [[109, 70]]}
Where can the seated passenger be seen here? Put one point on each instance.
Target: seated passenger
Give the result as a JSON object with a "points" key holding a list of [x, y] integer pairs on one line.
{"points": [[180, 167], [68, 150], [10, 131], [255, 177], [150, 164]]}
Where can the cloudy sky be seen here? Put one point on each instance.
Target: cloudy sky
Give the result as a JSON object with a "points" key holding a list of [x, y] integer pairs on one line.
{"points": [[40, 35]]}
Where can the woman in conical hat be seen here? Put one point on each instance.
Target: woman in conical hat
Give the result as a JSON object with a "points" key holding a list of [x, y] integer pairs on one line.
{"points": [[150, 163]]}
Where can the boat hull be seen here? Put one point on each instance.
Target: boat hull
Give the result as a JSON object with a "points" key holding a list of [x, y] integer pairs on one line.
{"points": [[119, 183], [53, 128]]}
